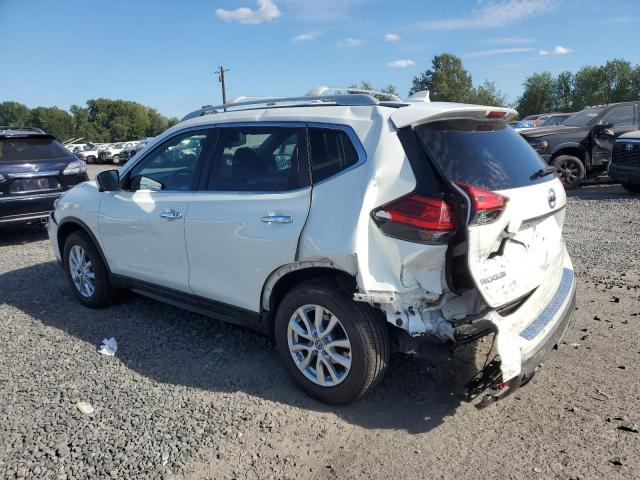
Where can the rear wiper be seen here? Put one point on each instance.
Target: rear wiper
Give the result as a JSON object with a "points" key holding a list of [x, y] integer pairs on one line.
{"points": [[543, 172]]}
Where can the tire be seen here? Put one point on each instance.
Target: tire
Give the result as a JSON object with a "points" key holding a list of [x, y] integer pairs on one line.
{"points": [[116, 160], [365, 332], [631, 187], [91, 159], [572, 170], [103, 292]]}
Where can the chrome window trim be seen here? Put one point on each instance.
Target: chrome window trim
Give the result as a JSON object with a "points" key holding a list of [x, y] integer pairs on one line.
{"points": [[628, 140]]}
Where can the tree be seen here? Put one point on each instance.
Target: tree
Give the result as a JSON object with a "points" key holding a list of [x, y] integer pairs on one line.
{"points": [[488, 94], [616, 78], [537, 96], [446, 80], [588, 88], [563, 92], [53, 120], [14, 114]]}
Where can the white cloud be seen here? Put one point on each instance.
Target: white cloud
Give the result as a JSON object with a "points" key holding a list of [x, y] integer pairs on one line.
{"points": [[305, 37], [557, 50], [392, 37], [266, 11], [498, 51], [509, 41], [401, 63], [350, 42], [495, 14], [560, 50]]}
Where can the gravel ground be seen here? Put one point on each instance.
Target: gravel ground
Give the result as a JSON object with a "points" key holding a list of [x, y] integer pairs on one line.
{"points": [[190, 397]]}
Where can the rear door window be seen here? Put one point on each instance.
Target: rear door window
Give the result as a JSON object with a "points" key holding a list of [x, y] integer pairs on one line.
{"points": [[623, 115], [331, 152], [486, 154], [31, 148]]}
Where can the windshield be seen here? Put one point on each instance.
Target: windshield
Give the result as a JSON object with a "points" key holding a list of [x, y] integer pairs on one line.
{"points": [[582, 118], [32, 148], [555, 120], [482, 153]]}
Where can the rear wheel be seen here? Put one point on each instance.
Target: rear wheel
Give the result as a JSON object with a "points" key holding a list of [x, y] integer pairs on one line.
{"points": [[572, 170], [86, 272], [335, 349], [116, 160], [631, 187], [91, 159]]}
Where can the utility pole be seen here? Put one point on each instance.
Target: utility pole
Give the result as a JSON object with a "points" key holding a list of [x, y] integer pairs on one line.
{"points": [[221, 80]]}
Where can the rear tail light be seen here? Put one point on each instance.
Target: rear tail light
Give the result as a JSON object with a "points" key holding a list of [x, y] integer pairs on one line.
{"points": [[487, 205], [416, 218], [496, 114], [75, 168]]}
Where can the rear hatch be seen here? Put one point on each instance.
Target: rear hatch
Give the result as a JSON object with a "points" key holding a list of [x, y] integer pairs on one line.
{"points": [[34, 164], [512, 210]]}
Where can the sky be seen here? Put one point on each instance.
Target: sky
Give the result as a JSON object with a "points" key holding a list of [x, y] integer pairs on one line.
{"points": [[164, 54]]}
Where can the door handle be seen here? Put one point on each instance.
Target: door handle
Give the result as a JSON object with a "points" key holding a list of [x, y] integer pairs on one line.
{"points": [[171, 214], [277, 219]]}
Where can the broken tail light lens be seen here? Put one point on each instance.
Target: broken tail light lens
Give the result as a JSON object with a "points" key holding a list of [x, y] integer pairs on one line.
{"points": [[416, 218], [487, 205]]}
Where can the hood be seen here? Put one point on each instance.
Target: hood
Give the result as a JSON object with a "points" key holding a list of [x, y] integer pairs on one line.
{"points": [[547, 131]]}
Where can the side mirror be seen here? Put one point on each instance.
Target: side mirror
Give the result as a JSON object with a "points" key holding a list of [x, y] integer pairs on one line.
{"points": [[108, 181]]}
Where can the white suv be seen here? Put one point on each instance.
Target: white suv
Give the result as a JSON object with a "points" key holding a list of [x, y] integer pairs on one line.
{"points": [[342, 226]]}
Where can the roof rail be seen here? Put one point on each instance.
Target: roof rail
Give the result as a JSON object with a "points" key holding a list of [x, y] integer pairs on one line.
{"points": [[357, 99], [322, 90], [23, 129]]}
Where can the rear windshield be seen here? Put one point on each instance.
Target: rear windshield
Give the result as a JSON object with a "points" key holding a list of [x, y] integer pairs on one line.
{"points": [[486, 154], [27, 149]]}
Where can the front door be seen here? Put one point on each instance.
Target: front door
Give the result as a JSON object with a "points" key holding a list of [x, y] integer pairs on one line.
{"points": [[618, 120], [247, 220], [142, 225]]}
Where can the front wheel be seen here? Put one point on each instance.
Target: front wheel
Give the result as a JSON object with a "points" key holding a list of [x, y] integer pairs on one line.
{"points": [[86, 272], [572, 170], [116, 160], [91, 159], [335, 349], [631, 187]]}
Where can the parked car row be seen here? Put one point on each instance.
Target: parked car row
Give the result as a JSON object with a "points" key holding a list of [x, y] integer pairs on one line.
{"points": [[116, 153], [582, 145]]}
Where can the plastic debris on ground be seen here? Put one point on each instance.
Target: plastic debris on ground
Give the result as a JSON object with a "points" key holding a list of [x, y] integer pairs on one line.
{"points": [[85, 408], [108, 347]]}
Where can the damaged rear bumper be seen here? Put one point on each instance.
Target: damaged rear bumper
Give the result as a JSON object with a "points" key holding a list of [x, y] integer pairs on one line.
{"points": [[544, 333]]}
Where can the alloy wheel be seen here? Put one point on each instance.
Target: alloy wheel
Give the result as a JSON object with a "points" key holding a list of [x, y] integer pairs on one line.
{"points": [[319, 345], [81, 271], [569, 171]]}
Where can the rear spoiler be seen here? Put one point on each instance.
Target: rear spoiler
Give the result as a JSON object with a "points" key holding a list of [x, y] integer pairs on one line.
{"points": [[418, 113]]}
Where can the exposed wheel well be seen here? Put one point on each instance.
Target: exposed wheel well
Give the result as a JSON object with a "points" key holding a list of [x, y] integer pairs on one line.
{"points": [[344, 280]]}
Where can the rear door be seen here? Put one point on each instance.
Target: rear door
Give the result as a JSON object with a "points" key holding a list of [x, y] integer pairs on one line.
{"points": [[246, 220], [515, 216]]}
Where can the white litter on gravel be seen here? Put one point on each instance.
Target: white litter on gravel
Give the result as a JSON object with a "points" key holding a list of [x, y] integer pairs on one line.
{"points": [[84, 407], [108, 347]]}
